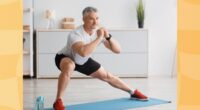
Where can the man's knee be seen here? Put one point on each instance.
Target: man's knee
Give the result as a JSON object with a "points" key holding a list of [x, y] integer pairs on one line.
{"points": [[67, 64], [71, 65], [67, 68]]}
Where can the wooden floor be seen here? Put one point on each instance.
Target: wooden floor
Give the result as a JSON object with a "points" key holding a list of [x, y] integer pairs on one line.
{"points": [[89, 90]]}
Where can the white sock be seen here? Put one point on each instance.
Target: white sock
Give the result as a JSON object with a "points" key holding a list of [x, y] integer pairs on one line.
{"points": [[131, 92]]}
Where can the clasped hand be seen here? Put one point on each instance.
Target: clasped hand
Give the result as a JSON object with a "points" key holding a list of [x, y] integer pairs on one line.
{"points": [[102, 32]]}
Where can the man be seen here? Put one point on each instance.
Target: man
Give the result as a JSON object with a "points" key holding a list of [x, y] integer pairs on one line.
{"points": [[81, 43]]}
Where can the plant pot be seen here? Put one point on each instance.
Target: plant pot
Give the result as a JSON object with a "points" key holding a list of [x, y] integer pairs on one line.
{"points": [[140, 24]]}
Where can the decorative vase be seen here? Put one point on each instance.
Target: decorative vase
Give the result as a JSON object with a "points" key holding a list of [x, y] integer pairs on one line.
{"points": [[50, 24], [50, 16], [140, 24]]}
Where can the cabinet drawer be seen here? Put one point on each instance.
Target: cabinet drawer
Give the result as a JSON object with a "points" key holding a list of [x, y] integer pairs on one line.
{"points": [[46, 67], [129, 40], [124, 65], [51, 42]]}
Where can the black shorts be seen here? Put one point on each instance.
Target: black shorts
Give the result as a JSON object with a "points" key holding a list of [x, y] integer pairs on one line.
{"points": [[87, 68]]}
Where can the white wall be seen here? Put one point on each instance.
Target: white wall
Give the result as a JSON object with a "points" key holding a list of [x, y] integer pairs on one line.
{"points": [[160, 20], [112, 13]]}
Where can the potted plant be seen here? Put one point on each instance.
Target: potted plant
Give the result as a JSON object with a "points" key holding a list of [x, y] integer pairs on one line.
{"points": [[140, 14]]}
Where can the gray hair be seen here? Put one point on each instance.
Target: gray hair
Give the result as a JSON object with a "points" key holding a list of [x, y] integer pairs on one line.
{"points": [[88, 10]]}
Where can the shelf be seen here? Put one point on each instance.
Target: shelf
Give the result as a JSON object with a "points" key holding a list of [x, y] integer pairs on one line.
{"points": [[26, 31], [26, 73], [27, 10], [110, 29], [26, 52], [54, 30]]}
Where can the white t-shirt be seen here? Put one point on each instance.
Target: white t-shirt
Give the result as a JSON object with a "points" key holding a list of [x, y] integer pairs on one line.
{"points": [[77, 35]]}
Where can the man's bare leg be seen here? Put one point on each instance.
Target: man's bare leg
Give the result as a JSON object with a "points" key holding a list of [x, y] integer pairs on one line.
{"points": [[118, 83], [67, 67], [111, 79]]}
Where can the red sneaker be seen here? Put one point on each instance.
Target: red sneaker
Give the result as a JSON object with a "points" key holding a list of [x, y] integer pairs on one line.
{"points": [[58, 105], [139, 96]]}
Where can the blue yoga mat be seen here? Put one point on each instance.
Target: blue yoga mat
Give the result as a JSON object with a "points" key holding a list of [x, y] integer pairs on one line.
{"points": [[115, 104]]}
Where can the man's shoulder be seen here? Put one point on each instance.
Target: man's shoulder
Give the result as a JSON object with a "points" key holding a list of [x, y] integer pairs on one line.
{"points": [[77, 29], [76, 32]]}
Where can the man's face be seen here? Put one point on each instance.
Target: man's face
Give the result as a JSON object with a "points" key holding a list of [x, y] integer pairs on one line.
{"points": [[91, 20]]}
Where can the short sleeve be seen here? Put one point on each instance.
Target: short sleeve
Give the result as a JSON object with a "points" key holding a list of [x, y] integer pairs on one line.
{"points": [[73, 38]]}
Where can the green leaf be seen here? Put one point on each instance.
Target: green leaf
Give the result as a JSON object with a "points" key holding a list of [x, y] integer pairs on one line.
{"points": [[140, 11]]}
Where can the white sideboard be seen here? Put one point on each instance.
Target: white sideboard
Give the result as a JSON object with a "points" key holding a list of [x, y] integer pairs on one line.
{"points": [[131, 62]]}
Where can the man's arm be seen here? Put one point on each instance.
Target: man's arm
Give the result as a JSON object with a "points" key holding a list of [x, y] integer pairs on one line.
{"points": [[86, 49], [111, 44]]}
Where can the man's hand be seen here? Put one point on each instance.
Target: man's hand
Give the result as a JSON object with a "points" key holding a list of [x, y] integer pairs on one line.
{"points": [[106, 33], [100, 32], [111, 44]]}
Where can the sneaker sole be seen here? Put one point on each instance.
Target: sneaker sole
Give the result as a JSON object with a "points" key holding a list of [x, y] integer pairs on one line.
{"points": [[139, 99]]}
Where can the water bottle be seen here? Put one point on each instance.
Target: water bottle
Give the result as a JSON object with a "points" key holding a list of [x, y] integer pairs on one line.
{"points": [[39, 103]]}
